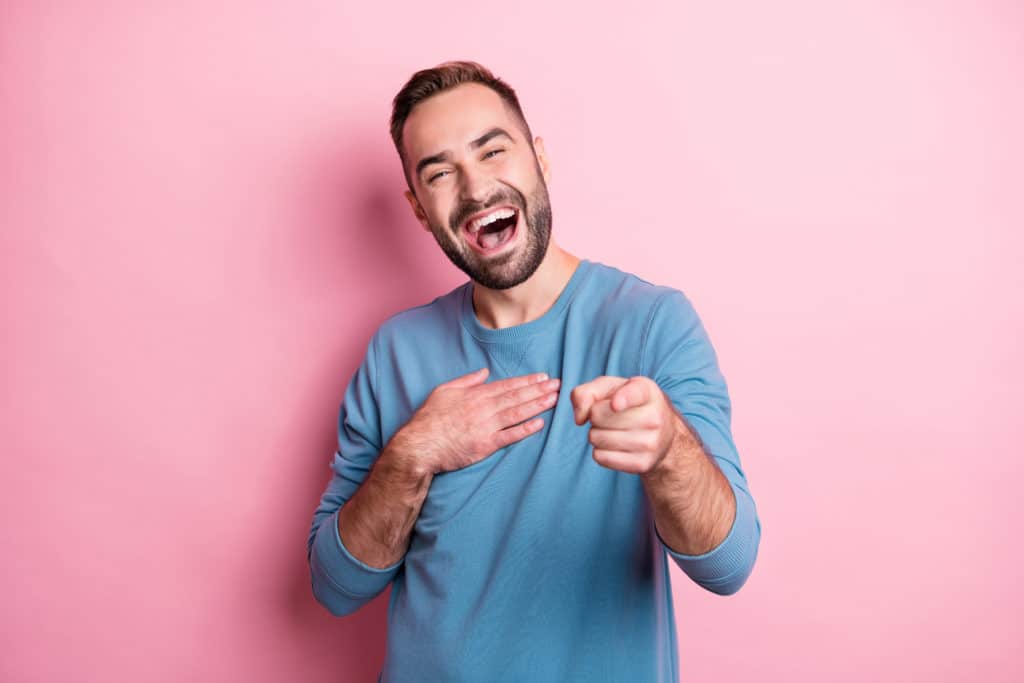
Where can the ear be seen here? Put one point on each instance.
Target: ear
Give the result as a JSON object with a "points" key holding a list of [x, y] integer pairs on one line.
{"points": [[542, 159], [417, 209]]}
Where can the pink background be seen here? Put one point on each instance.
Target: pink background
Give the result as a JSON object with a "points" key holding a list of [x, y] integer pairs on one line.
{"points": [[202, 223]]}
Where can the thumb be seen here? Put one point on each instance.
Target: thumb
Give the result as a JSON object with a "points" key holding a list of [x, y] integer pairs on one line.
{"points": [[586, 395], [473, 378]]}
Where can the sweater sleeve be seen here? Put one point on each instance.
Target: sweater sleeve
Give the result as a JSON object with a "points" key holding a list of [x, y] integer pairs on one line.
{"points": [[678, 355], [340, 581]]}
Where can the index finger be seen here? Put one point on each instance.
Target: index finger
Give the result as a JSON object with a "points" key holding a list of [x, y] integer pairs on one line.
{"points": [[501, 386]]}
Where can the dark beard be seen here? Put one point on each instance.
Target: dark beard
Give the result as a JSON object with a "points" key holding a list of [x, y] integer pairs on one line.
{"points": [[516, 265]]}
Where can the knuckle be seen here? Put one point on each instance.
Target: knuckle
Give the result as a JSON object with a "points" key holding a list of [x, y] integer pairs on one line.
{"points": [[516, 414], [492, 404], [528, 392]]}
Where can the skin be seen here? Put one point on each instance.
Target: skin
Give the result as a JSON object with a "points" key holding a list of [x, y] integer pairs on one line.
{"points": [[632, 425], [635, 428], [472, 177]]}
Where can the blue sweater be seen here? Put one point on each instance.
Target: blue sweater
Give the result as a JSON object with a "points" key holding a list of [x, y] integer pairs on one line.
{"points": [[536, 563]]}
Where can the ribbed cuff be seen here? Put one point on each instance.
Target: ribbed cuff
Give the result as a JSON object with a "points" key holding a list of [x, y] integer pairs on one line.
{"points": [[344, 570], [734, 555]]}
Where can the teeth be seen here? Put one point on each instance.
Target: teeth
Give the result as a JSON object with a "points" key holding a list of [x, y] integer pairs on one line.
{"points": [[474, 226]]}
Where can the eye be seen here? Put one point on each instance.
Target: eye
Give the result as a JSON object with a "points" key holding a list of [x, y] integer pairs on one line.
{"points": [[493, 152], [437, 175]]}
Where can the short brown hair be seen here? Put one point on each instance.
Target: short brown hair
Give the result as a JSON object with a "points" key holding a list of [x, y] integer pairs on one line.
{"points": [[429, 82]]}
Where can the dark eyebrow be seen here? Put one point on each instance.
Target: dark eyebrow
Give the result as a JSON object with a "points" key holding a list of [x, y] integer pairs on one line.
{"points": [[486, 137], [475, 144], [427, 161]]}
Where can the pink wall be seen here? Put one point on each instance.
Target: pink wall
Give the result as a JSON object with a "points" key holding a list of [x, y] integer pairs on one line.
{"points": [[202, 224]]}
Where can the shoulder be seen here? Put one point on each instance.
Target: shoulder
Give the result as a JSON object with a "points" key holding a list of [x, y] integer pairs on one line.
{"points": [[419, 324], [662, 318], [626, 296]]}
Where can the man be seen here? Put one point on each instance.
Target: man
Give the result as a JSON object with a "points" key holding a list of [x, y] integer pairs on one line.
{"points": [[520, 455]]}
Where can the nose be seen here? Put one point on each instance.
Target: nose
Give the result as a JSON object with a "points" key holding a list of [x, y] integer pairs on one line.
{"points": [[473, 186]]}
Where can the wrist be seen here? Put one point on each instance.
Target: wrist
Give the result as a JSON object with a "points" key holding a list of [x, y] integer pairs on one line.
{"points": [[683, 451], [403, 458]]}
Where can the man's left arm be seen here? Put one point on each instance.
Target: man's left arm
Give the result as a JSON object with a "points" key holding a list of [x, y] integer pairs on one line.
{"points": [[671, 426]]}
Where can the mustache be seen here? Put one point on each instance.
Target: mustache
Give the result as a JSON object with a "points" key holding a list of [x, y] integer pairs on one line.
{"points": [[464, 211]]}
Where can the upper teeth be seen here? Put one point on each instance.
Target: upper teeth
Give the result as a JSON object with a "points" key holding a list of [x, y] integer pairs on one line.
{"points": [[478, 223]]}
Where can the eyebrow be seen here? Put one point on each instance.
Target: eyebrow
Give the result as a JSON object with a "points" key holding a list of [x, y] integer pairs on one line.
{"points": [[475, 144]]}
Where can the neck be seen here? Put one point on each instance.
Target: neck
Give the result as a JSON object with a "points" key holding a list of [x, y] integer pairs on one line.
{"points": [[529, 300]]}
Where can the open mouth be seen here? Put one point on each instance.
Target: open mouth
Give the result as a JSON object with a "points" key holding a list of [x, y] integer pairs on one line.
{"points": [[490, 232]]}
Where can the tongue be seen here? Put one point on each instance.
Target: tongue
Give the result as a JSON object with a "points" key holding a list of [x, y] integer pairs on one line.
{"points": [[489, 240]]}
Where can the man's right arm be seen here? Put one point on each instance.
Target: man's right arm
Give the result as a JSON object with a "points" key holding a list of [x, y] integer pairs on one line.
{"points": [[376, 523], [360, 547], [342, 582], [361, 530]]}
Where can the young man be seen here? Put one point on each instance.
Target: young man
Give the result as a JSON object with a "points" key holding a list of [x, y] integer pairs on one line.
{"points": [[520, 455]]}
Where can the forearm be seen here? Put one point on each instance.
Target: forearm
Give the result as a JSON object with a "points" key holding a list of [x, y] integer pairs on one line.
{"points": [[376, 523], [692, 501]]}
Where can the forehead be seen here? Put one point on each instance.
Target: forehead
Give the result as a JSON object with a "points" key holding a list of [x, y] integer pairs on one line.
{"points": [[451, 119]]}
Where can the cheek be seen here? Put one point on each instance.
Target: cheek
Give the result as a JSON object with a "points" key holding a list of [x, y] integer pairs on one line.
{"points": [[526, 181], [437, 213], [444, 203]]}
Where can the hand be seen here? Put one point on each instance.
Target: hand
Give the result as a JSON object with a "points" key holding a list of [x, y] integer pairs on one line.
{"points": [[464, 420], [632, 421]]}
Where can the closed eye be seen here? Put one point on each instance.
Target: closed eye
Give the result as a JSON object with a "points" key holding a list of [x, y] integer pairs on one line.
{"points": [[490, 154]]}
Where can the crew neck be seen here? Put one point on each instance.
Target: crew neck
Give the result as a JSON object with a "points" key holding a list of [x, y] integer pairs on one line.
{"points": [[529, 328]]}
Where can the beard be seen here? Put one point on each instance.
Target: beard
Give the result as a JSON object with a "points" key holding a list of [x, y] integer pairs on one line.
{"points": [[515, 265]]}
